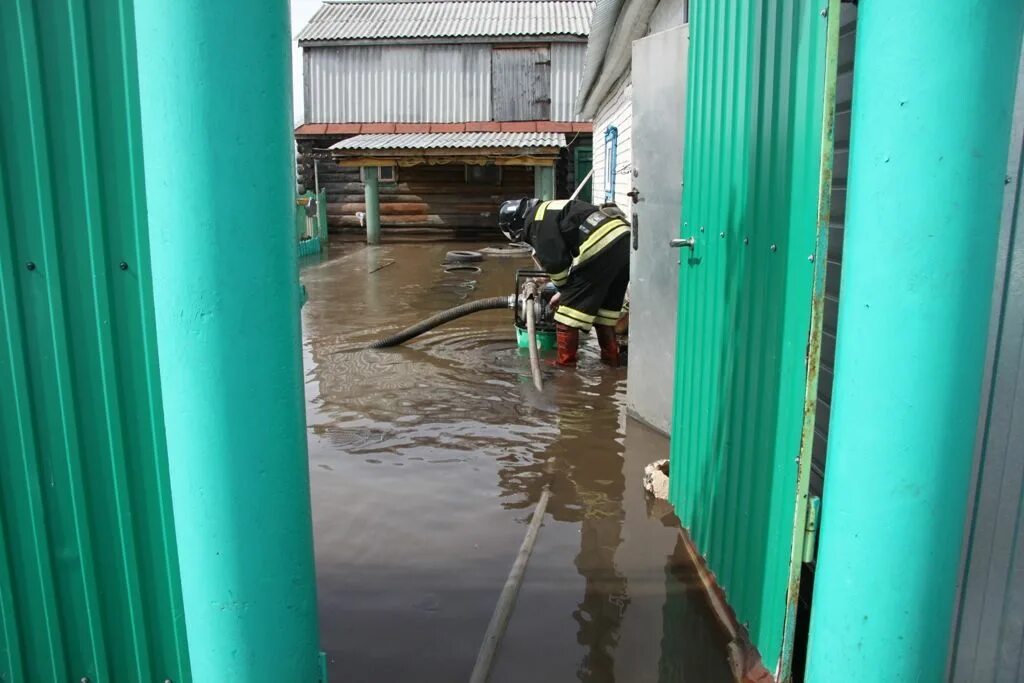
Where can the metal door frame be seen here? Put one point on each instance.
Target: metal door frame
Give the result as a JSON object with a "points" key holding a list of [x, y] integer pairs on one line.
{"points": [[805, 515]]}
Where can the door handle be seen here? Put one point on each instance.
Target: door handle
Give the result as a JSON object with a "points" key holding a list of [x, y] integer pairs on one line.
{"points": [[678, 242]]}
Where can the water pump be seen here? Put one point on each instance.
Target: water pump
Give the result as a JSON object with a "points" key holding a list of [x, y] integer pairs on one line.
{"points": [[534, 287]]}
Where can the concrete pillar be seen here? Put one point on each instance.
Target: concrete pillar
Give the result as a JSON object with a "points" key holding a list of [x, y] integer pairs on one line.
{"points": [[215, 89], [931, 118], [372, 197]]}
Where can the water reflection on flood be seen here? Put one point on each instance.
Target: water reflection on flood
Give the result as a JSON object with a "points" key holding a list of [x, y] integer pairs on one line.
{"points": [[426, 462]]}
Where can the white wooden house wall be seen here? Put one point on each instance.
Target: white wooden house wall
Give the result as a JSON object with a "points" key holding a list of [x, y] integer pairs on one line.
{"points": [[616, 110]]}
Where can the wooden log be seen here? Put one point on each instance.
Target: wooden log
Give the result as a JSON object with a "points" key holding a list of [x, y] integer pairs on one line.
{"points": [[415, 234], [438, 221], [348, 202], [449, 199], [420, 189], [488, 210], [348, 184], [435, 199], [386, 207]]}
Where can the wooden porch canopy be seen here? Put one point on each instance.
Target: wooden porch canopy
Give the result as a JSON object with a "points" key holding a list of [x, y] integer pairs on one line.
{"points": [[412, 149]]}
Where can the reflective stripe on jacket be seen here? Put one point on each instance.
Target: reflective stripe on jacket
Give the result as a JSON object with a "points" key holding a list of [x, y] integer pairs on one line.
{"points": [[566, 234]]}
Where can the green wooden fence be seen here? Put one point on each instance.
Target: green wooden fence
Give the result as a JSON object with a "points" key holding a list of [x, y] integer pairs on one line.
{"points": [[311, 231]]}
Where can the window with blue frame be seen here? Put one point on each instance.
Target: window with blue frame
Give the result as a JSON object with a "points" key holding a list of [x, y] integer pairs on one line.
{"points": [[611, 161]]}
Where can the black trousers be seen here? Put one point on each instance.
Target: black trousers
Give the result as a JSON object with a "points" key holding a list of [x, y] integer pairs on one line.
{"points": [[595, 292]]}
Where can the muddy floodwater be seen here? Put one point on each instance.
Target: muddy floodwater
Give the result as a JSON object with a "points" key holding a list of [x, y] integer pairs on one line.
{"points": [[425, 464]]}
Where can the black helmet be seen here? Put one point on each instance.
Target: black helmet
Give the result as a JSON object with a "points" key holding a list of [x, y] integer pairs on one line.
{"points": [[512, 218]]}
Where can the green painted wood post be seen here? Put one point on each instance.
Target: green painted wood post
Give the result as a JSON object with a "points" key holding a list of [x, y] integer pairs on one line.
{"points": [[931, 120], [372, 196], [215, 88], [321, 217]]}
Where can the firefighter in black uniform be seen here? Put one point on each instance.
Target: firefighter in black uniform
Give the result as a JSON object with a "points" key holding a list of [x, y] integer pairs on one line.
{"points": [[585, 250]]}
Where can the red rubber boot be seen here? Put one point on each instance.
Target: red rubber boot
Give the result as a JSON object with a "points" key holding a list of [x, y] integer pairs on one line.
{"points": [[609, 344], [568, 344]]}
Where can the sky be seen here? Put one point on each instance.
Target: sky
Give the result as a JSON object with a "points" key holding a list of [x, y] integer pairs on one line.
{"points": [[302, 11]]}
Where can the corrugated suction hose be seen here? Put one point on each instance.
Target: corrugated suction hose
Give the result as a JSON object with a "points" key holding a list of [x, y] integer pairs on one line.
{"points": [[494, 302], [531, 328]]}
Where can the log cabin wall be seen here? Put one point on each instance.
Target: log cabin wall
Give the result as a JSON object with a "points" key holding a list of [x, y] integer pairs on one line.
{"points": [[430, 201], [427, 202]]}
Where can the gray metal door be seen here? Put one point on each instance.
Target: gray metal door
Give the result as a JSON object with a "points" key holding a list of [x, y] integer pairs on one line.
{"points": [[521, 83], [659, 104]]}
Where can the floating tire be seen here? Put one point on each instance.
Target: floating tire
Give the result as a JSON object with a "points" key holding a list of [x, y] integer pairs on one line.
{"points": [[463, 257], [461, 268], [508, 251]]}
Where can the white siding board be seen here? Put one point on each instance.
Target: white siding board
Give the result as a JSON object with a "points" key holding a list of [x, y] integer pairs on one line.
{"points": [[616, 110]]}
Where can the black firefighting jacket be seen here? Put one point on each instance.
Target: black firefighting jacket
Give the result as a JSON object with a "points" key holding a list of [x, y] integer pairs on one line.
{"points": [[565, 234]]}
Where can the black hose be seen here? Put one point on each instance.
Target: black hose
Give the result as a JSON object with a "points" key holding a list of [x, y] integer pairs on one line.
{"points": [[442, 318]]}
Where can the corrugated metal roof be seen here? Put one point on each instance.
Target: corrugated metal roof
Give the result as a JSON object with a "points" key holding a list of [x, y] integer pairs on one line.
{"points": [[450, 141], [391, 20], [467, 127]]}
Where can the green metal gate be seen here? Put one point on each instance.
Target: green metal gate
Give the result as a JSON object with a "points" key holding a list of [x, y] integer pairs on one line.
{"points": [[755, 201], [311, 231], [89, 584]]}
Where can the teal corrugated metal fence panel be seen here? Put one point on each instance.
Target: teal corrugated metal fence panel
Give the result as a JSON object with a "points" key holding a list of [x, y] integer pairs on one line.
{"points": [[753, 175], [89, 583]]}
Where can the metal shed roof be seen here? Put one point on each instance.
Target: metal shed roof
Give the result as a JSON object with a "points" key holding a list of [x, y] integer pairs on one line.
{"points": [[416, 141], [340, 21]]}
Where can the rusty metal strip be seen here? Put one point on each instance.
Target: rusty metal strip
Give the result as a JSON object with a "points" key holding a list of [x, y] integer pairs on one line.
{"points": [[744, 658], [831, 16]]}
